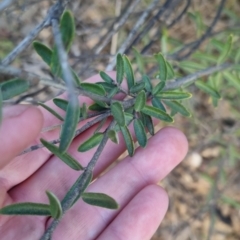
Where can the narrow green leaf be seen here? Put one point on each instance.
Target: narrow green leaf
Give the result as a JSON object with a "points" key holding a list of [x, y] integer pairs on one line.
{"points": [[157, 113], [65, 157], [158, 88], [55, 64], [100, 200], [207, 89], [128, 119], [112, 92], [118, 113], [43, 51], [55, 205], [149, 124], [26, 208], [158, 104], [232, 79], [173, 95], [76, 78], [148, 84], [162, 66], [140, 101], [90, 143], [14, 87], [178, 107], [96, 107], [100, 125], [113, 136], [129, 72], [107, 86], [105, 77], [170, 71], [128, 140], [53, 112], [226, 49], [120, 69], [61, 103], [84, 111], [67, 28], [137, 87], [140, 132], [139, 59], [191, 66], [93, 88], [69, 125]]}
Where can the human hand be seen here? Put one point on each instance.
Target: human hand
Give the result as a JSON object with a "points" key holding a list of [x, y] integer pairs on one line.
{"points": [[132, 182]]}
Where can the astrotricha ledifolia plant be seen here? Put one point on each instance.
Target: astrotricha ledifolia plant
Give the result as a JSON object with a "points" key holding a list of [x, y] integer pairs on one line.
{"points": [[143, 102]]}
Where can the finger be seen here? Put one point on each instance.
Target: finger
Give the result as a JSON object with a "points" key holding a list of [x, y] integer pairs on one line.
{"points": [[141, 217], [20, 126], [124, 181]]}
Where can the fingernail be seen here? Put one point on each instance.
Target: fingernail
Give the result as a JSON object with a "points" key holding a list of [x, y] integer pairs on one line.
{"points": [[14, 111]]}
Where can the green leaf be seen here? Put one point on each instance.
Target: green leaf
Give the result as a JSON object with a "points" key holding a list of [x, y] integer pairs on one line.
{"points": [[43, 51], [100, 200], [178, 107], [158, 88], [93, 88], [139, 59], [55, 64], [14, 87], [137, 87], [120, 69], [26, 208], [69, 125], [65, 157], [107, 86], [140, 132], [191, 66], [157, 113], [128, 119], [148, 84], [162, 66], [112, 92], [55, 205], [226, 49], [53, 112], [71, 190], [118, 113], [100, 125], [232, 79], [173, 95], [96, 107], [170, 71], [113, 136], [129, 72], [148, 123], [61, 103], [140, 101], [84, 111], [67, 28], [105, 77], [76, 78], [158, 104], [1, 106], [207, 89], [92, 142], [128, 140]]}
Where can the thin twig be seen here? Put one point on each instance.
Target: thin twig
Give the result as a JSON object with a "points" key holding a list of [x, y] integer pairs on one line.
{"points": [[80, 184], [133, 32]]}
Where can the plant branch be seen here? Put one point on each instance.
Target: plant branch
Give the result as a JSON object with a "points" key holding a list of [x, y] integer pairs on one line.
{"points": [[5, 4], [78, 190]]}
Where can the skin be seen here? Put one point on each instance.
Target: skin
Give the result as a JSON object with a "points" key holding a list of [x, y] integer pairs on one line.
{"points": [[132, 182]]}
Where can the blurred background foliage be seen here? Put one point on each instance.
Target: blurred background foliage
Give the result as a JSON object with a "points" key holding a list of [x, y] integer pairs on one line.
{"points": [[204, 190]]}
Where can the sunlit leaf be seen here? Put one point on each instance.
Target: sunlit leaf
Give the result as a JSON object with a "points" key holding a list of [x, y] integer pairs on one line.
{"points": [[226, 50], [128, 140], [26, 208], [55, 205], [14, 87], [157, 113], [173, 95], [67, 28], [65, 157], [158, 104], [158, 88], [93, 88], [92, 142], [53, 112], [113, 136], [120, 69], [178, 107], [162, 66], [118, 113], [140, 101], [129, 72], [140, 132], [69, 125], [43, 51], [148, 84], [105, 77], [100, 200], [207, 89]]}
